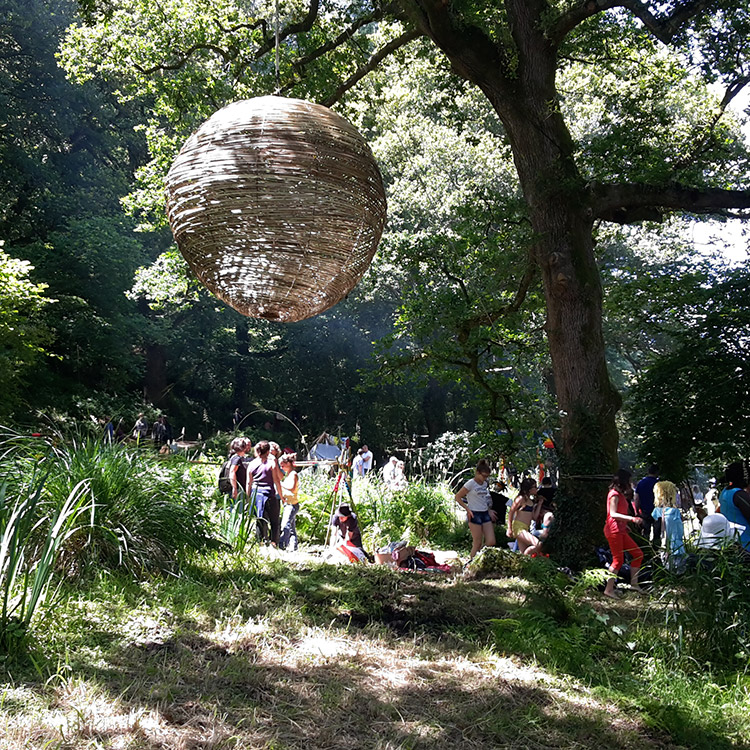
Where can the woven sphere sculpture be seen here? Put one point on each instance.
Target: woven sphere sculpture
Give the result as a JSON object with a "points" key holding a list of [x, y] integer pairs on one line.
{"points": [[278, 206]]}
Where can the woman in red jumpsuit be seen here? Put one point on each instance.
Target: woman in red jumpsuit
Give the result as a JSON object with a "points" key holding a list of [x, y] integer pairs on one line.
{"points": [[616, 531]]}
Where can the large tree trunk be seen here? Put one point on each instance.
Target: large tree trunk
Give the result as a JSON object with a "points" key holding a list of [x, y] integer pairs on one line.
{"points": [[522, 92]]}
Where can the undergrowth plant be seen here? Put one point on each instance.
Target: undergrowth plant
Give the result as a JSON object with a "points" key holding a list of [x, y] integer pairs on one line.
{"points": [[145, 511], [423, 514], [706, 610], [33, 531], [236, 523]]}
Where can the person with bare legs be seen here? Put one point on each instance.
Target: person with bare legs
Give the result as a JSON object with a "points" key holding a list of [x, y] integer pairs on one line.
{"points": [[474, 497], [525, 508]]}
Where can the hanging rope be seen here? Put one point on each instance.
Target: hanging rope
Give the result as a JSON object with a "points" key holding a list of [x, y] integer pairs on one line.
{"points": [[276, 25]]}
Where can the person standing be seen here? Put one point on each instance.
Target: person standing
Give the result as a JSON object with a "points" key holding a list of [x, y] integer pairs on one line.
{"points": [[547, 491], [159, 432], [500, 502], [367, 459], [616, 531], [390, 471], [734, 500], [474, 497], [263, 472], [358, 465], [673, 533], [643, 502], [290, 498], [711, 498], [238, 467], [140, 429], [109, 431]]}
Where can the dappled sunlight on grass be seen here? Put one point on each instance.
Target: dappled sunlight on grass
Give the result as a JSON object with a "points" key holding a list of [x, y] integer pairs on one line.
{"points": [[319, 688], [316, 657]]}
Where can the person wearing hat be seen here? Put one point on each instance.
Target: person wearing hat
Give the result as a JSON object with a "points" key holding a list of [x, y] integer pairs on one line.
{"points": [[345, 527], [734, 500]]}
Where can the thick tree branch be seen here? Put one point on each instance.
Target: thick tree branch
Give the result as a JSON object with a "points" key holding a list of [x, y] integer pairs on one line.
{"points": [[664, 28], [629, 203], [466, 46], [182, 58], [370, 65], [489, 317]]}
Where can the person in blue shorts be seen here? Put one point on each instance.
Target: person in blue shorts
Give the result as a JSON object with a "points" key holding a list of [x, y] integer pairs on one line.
{"points": [[474, 497]]}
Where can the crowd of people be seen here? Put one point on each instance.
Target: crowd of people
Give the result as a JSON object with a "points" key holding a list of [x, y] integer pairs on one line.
{"points": [[655, 510], [647, 516], [529, 515], [640, 517], [269, 480]]}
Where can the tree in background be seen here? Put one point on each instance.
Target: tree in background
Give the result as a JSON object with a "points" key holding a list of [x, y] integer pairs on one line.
{"points": [[23, 337], [68, 154], [690, 404]]}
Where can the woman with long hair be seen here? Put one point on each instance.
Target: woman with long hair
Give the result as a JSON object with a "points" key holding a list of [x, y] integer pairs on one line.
{"points": [[616, 531], [290, 498], [474, 497], [525, 508], [264, 473]]}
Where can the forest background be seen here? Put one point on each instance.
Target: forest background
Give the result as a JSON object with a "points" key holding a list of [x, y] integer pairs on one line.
{"points": [[100, 317]]}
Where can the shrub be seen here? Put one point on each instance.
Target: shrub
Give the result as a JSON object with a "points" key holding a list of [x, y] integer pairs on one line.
{"points": [[423, 514], [706, 610], [144, 511]]}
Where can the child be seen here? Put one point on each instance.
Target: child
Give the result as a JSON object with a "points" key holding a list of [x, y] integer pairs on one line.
{"points": [[290, 496], [666, 508]]}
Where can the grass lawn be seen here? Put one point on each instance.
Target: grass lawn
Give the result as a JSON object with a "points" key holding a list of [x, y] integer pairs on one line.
{"points": [[252, 653]]}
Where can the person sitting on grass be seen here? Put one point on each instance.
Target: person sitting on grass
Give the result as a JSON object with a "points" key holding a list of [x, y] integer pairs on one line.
{"points": [[474, 497], [544, 519], [346, 536], [525, 508]]}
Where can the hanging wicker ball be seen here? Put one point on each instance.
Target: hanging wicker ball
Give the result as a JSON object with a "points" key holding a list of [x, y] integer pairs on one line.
{"points": [[278, 207]]}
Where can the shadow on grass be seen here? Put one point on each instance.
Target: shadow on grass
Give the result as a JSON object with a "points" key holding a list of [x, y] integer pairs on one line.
{"points": [[335, 694], [260, 680]]}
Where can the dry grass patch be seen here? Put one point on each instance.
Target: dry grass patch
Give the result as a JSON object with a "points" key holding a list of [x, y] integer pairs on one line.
{"points": [[248, 685]]}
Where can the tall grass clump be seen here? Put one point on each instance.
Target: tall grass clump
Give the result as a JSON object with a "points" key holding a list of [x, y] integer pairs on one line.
{"points": [[144, 513], [236, 523], [424, 514], [33, 531], [705, 611]]}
